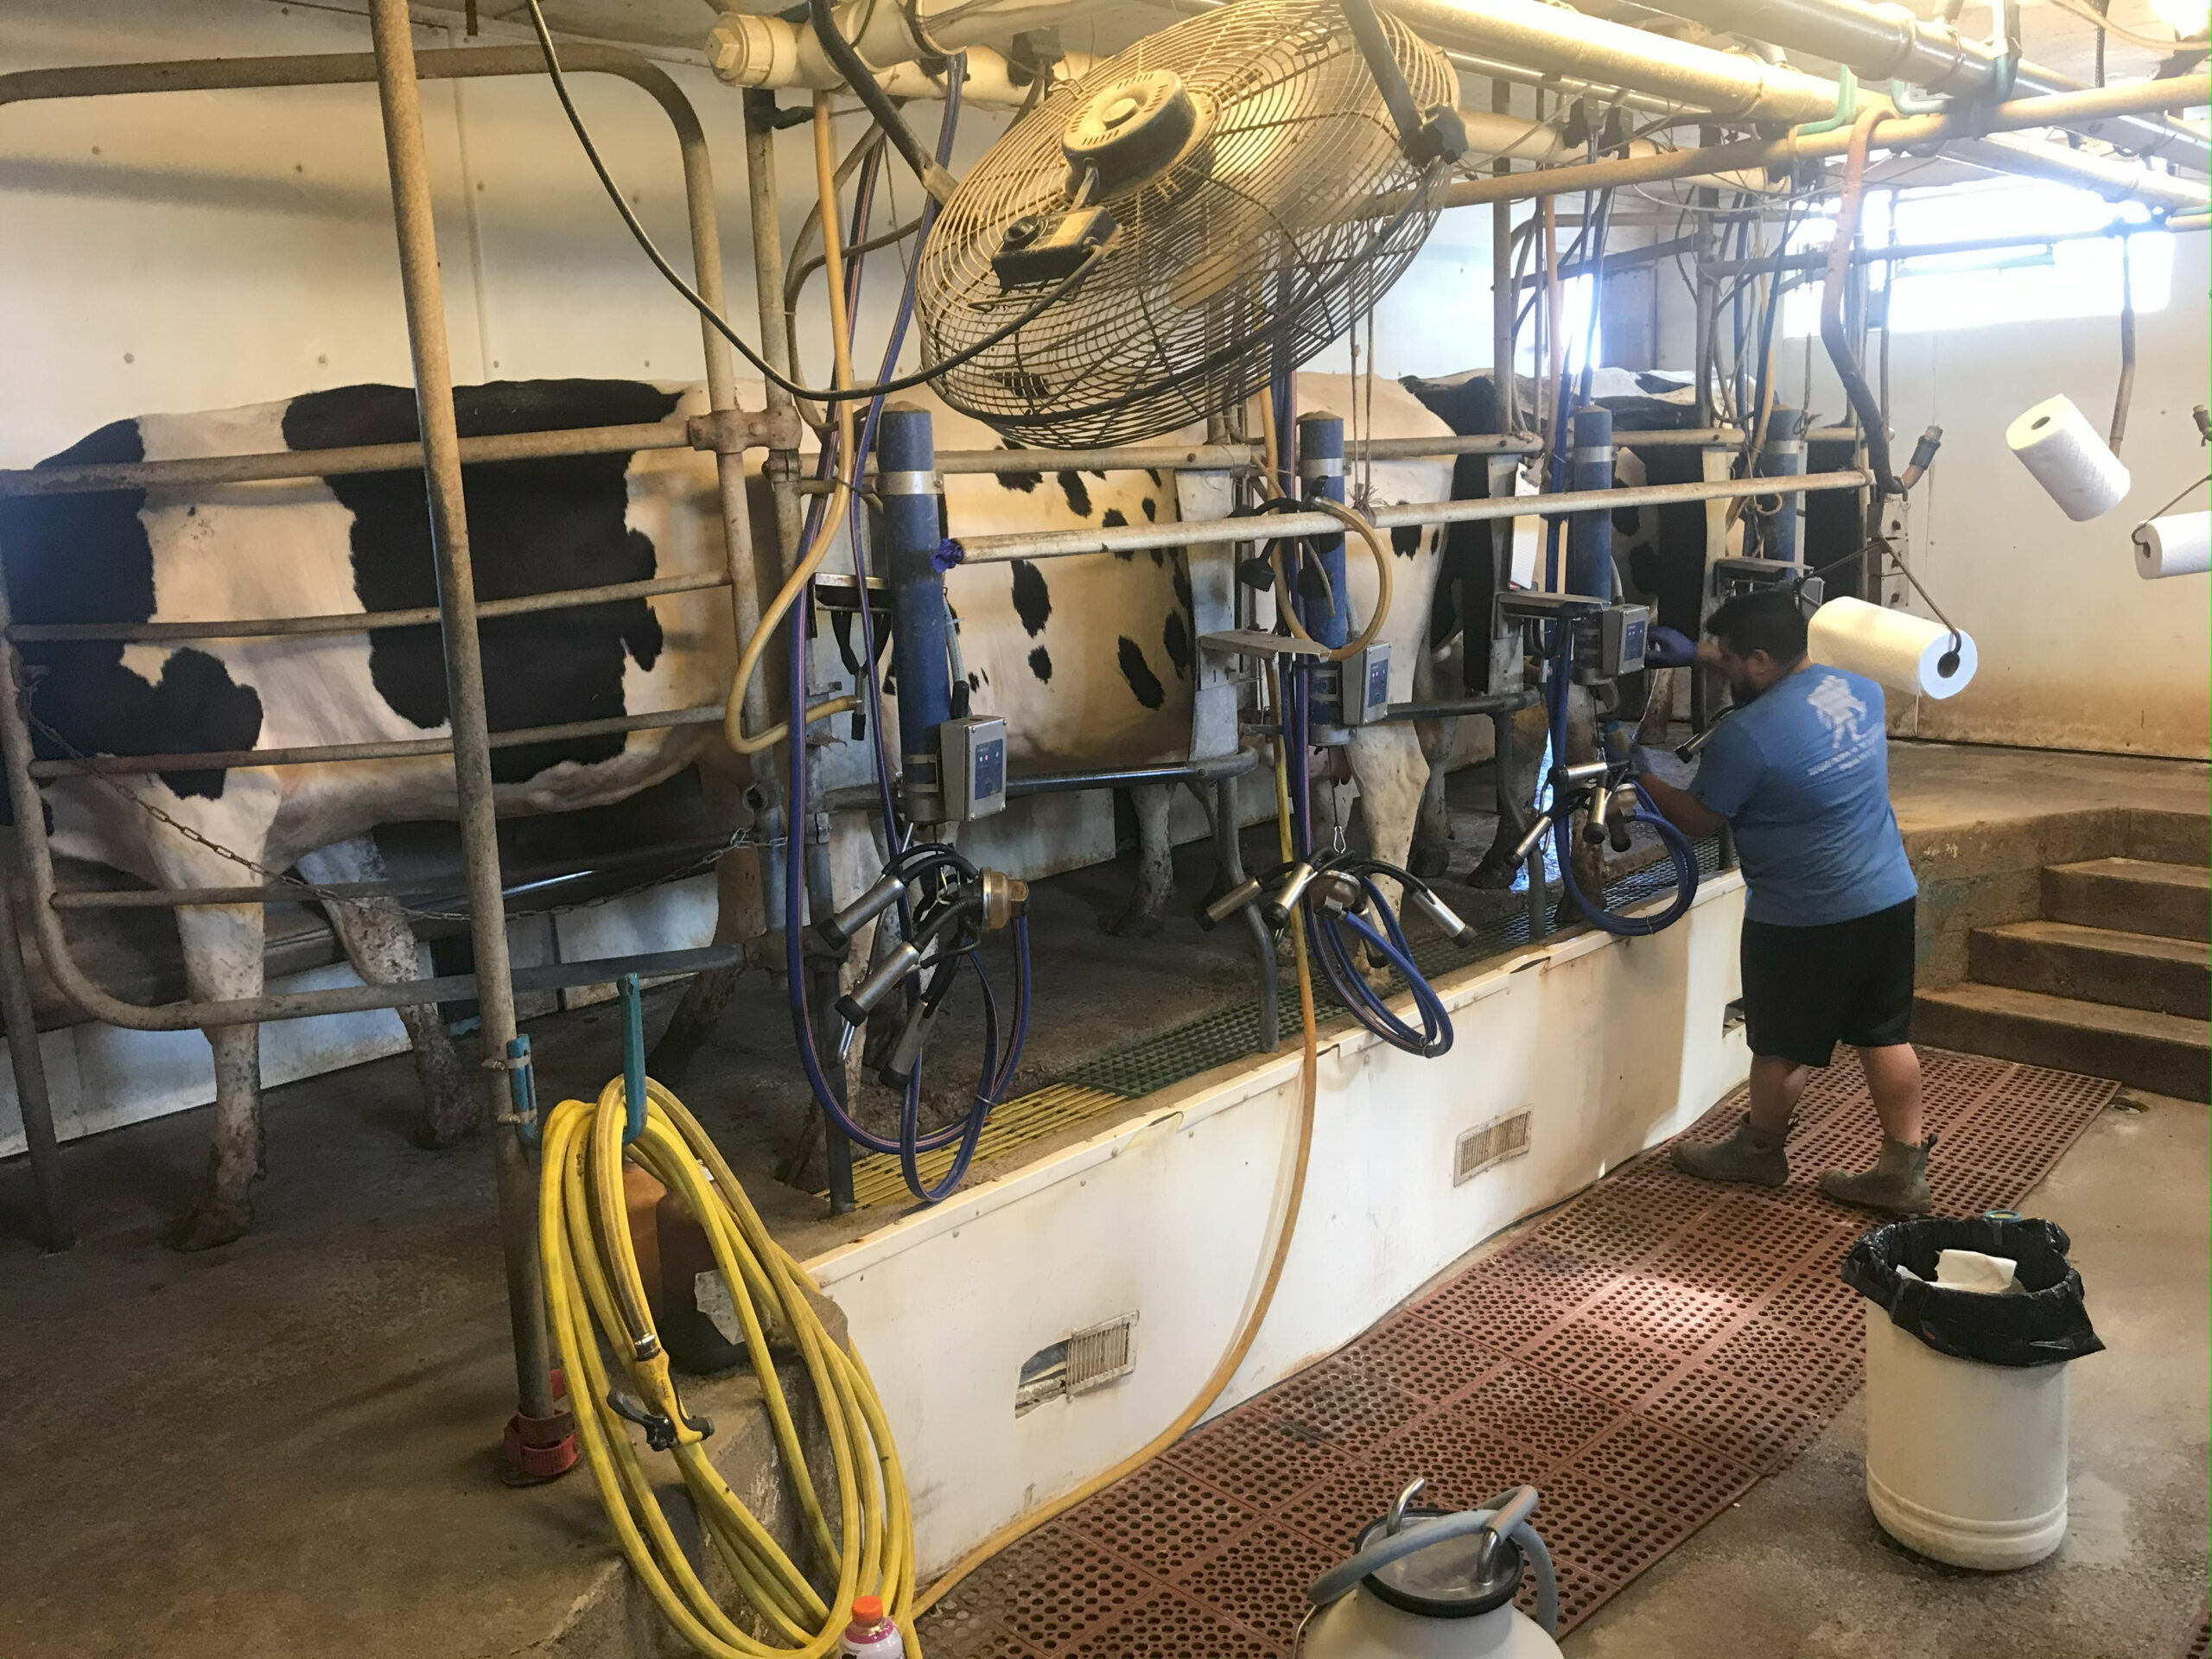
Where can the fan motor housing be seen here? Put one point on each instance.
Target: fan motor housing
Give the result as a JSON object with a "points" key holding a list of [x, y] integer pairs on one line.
{"points": [[1133, 130]]}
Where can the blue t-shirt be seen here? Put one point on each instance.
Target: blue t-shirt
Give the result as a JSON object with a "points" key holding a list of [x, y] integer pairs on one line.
{"points": [[1803, 777]]}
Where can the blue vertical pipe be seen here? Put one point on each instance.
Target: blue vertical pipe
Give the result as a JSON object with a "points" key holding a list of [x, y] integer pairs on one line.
{"points": [[1590, 535], [905, 466], [1321, 477], [1785, 458]]}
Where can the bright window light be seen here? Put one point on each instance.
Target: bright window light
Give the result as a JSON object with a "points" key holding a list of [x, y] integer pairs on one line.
{"points": [[1574, 295], [1975, 288]]}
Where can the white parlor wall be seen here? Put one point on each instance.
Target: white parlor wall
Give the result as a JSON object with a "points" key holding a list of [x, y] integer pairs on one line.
{"points": [[2076, 651], [1611, 1045]]}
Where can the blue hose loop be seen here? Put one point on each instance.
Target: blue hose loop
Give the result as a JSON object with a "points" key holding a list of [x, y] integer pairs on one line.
{"points": [[915, 862], [1324, 934], [1679, 850], [634, 1057]]}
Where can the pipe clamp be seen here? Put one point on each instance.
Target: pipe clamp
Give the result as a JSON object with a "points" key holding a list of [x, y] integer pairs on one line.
{"points": [[908, 483]]}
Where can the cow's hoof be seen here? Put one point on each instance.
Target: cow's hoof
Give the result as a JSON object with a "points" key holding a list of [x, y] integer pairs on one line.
{"points": [[669, 1061], [442, 1131], [1492, 875], [213, 1221], [1137, 922], [1428, 860]]}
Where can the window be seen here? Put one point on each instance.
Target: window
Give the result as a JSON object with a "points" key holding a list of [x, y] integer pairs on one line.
{"points": [[2031, 281]]}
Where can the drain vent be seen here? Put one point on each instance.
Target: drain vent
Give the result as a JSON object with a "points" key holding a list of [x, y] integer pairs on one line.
{"points": [[1489, 1143], [1089, 1359]]}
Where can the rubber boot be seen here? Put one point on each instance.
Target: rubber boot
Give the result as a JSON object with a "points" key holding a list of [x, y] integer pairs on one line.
{"points": [[1750, 1154], [1897, 1185]]}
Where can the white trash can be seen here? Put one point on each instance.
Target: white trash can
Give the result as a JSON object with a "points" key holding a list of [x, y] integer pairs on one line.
{"points": [[1966, 1462], [1967, 1352]]}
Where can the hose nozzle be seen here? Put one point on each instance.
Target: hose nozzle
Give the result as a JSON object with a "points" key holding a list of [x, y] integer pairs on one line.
{"points": [[1213, 915], [1277, 909], [1923, 456], [1446, 920]]}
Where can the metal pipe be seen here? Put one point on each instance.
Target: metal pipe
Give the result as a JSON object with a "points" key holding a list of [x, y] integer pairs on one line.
{"points": [[353, 621], [1594, 49], [530, 879], [1889, 42], [57, 1231], [400, 101], [1137, 538], [1785, 458], [1493, 702], [1892, 253], [188, 472], [1505, 389], [1201, 457], [1195, 772], [78, 766], [2062, 109]]}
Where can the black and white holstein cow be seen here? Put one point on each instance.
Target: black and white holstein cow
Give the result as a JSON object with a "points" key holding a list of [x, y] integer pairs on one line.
{"points": [[1091, 659], [1658, 555]]}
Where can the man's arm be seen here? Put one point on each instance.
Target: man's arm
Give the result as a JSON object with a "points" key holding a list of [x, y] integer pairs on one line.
{"points": [[1680, 808]]}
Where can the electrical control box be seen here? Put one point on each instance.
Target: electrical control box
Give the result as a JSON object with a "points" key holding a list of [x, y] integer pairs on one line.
{"points": [[1621, 631], [972, 761], [1367, 686], [1608, 640]]}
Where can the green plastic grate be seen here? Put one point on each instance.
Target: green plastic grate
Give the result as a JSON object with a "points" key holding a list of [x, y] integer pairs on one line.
{"points": [[1148, 1065]]}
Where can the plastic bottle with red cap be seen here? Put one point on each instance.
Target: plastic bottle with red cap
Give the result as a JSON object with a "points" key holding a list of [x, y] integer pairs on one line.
{"points": [[871, 1635]]}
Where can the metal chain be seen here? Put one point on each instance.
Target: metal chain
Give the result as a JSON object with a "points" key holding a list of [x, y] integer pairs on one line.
{"points": [[321, 894]]}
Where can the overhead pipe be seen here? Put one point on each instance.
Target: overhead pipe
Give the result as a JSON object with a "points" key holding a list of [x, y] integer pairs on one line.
{"points": [[2061, 109], [774, 54], [1590, 48], [1881, 42]]}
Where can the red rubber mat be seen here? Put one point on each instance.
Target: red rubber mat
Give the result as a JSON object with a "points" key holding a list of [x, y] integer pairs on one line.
{"points": [[1643, 1355]]}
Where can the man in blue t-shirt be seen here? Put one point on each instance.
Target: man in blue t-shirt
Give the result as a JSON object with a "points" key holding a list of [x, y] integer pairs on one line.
{"points": [[1800, 773]]}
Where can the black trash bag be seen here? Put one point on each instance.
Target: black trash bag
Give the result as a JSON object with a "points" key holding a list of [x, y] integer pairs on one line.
{"points": [[2046, 1325]]}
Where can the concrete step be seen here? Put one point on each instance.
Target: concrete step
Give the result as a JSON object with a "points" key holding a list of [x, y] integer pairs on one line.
{"points": [[2134, 893], [2095, 964], [2159, 1052], [2169, 837]]}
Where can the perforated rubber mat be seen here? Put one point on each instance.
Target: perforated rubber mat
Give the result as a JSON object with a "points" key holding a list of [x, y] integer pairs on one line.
{"points": [[1643, 1355]]}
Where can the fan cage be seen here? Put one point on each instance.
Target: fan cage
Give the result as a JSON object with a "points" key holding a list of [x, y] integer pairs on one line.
{"points": [[1296, 214]]}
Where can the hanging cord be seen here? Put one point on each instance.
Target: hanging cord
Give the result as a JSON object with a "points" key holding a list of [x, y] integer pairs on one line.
{"points": [[2126, 394], [1831, 328], [1278, 1252], [714, 319], [598, 1305]]}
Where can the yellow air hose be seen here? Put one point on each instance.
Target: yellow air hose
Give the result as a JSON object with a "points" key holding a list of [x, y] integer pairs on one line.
{"points": [[598, 1305]]}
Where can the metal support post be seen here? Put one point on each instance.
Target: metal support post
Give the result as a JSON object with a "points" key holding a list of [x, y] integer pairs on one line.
{"points": [[1785, 458], [1717, 462], [57, 1231], [1590, 535], [400, 98]]}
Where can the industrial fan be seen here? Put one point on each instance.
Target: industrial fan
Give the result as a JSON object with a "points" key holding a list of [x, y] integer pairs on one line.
{"points": [[1219, 200]]}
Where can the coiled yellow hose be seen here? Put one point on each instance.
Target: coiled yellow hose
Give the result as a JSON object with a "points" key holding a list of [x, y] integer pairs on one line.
{"points": [[596, 1297]]}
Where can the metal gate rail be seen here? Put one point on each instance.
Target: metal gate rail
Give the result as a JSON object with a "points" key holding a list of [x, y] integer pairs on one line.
{"points": [[394, 68]]}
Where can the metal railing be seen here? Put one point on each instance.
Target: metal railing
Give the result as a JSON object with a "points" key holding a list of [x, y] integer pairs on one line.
{"points": [[394, 68]]}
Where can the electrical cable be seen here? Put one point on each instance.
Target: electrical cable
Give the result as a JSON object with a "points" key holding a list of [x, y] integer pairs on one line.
{"points": [[598, 1305], [715, 319]]}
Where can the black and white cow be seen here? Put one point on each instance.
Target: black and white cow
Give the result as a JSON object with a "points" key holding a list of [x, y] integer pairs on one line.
{"points": [[1091, 659], [1659, 556]]}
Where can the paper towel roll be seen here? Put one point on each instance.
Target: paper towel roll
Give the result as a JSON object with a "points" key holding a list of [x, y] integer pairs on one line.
{"points": [[2067, 458], [1905, 652], [2178, 545]]}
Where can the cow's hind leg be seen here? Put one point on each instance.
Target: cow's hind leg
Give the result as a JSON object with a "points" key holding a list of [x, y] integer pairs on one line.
{"points": [[1431, 852], [1147, 906], [222, 962], [382, 948], [1518, 767], [1388, 764]]}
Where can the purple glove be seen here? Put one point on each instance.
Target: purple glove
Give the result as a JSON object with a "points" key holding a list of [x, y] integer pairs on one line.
{"points": [[1668, 648]]}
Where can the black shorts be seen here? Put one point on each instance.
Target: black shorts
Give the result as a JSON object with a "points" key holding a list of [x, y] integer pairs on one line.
{"points": [[1808, 988]]}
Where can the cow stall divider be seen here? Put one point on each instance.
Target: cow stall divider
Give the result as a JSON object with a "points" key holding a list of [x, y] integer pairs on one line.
{"points": [[539, 1441]]}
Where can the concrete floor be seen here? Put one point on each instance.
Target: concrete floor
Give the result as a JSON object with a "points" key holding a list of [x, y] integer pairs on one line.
{"points": [[1798, 1566]]}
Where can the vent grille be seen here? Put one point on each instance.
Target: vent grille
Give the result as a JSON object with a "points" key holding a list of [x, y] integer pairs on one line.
{"points": [[1489, 1143], [1089, 1359]]}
